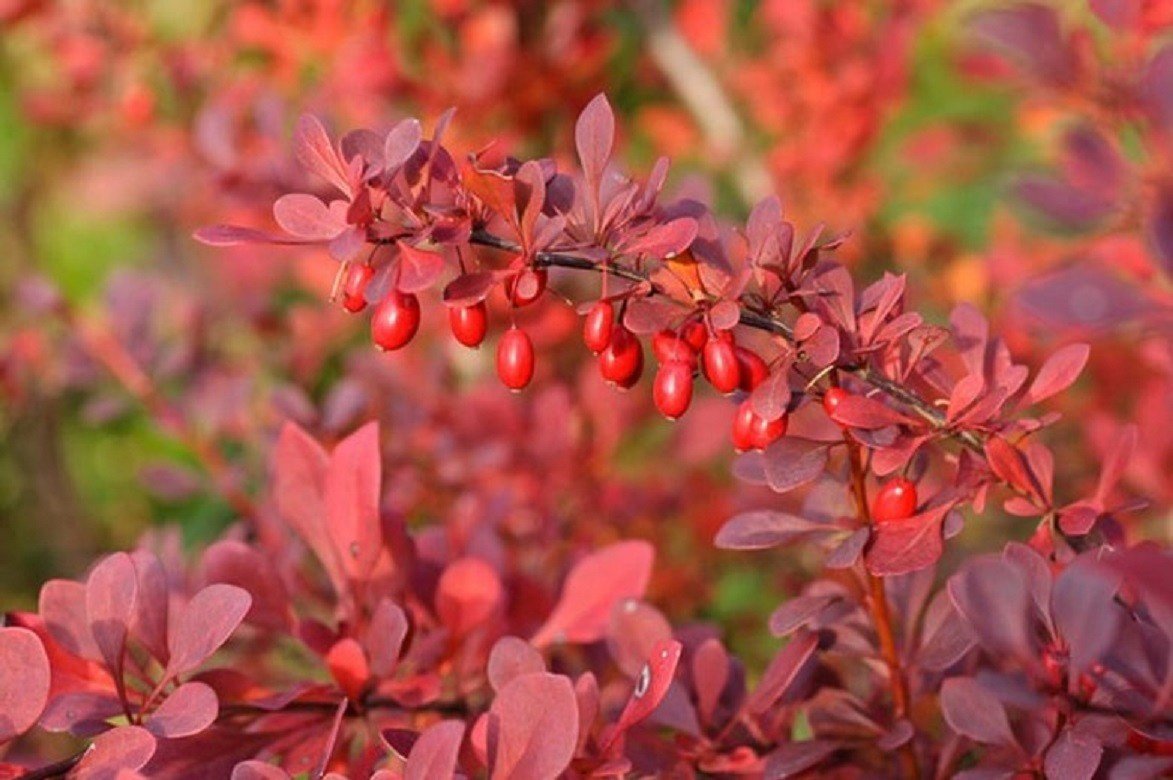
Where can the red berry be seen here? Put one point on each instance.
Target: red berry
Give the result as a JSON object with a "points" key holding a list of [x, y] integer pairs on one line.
{"points": [[695, 334], [672, 390], [515, 358], [354, 287], [597, 327], [469, 323], [719, 361], [831, 400], [751, 369], [895, 500], [743, 425], [668, 347], [766, 432], [395, 321], [524, 295], [622, 362]]}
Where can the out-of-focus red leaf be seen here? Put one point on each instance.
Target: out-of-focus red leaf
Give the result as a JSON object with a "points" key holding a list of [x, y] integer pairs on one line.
{"points": [[385, 636], [111, 591], [233, 235], [974, 712], [190, 709], [1160, 220], [434, 754], [636, 629], [594, 136], [512, 657], [235, 563], [468, 592], [203, 624], [315, 152], [533, 727], [258, 770], [1059, 372], [24, 681], [352, 501], [1073, 756], [593, 587], [348, 666], [126, 747]]}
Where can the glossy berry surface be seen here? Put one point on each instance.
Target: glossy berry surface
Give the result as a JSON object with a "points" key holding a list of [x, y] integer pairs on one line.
{"points": [[469, 323], [515, 358], [668, 347], [895, 500], [831, 400], [743, 427], [598, 326], [672, 389], [695, 334], [395, 321], [354, 287], [719, 362], [751, 368], [765, 432], [622, 362]]}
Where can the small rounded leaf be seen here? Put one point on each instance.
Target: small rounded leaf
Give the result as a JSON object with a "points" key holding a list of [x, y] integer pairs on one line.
{"points": [[190, 709], [24, 681]]}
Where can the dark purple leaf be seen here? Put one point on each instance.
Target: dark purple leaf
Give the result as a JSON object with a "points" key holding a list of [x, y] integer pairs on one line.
{"points": [[793, 758], [792, 462], [1086, 615], [24, 681], [974, 712], [1068, 207], [782, 671], [799, 611], [1072, 757], [1160, 225], [946, 636], [993, 597], [762, 529], [1032, 35], [203, 624], [190, 709]]}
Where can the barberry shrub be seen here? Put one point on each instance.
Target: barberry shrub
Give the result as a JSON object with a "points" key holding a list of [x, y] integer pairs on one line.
{"points": [[330, 636]]}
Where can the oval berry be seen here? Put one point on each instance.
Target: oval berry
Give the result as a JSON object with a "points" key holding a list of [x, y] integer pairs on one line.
{"points": [[766, 432], [695, 334], [515, 358], [668, 347], [672, 390], [831, 400], [354, 287], [719, 361], [895, 500], [597, 327], [524, 295], [743, 427], [395, 321], [751, 369], [469, 323], [622, 362]]}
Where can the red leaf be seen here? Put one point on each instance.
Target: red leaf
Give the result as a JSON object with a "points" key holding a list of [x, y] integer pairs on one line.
{"points": [[62, 605], [418, 268], [24, 681], [233, 235], [348, 666], [468, 289], [385, 635], [352, 501], [126, 747], [1073, 757], [536, 728], [315, 153], [782, 671], [858, 411], [664, 240], [650, 686], [1058, 373], [510, 658], [151, 605], [1008, 463], [434, 754], [190, 709], [907, 545], [636, 629], [307, 217], [710, 672], [402, 142], [203, 624], [771, 398], [593, 587], [111, 591], [594, 136], [974, 712], [258, 770], [468, 593], [236, 563]]}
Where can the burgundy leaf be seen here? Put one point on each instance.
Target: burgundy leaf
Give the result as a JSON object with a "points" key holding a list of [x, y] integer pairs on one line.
{"points": [[1157, 89], [510, 658], [468, 289], [1160, 221], [946, 636], [1008, 462], [1058, 373], [536, 718], [710, 673], [635, 630], [306, 217], [111, 591], [907, 545], [402, 142], [593, 587], [24, 681], [434, 754], [126, 747], [203, 624], [792, 462], [665, 240], [794, 758], [858, 411], [418, 268], [974, 712], [761, 529], [315, 153], [771, 398], [1085, 612], [650, 686], [594, 135], [799, 611], [352, 501], [782, 671], [993, 596], [1072, 757], [236, 563], [190, 709]]}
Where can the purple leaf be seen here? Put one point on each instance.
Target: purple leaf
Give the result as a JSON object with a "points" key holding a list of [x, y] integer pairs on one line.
{"points": [[992, 595], [762, 529], [1058, 373], [62, 605], [402, 142], [236, 563], [1160, 225], [258, 770], [1086, 615], [974, 712], [1072, 757], [24, 681], [468, 289], [203, 624], [793, 462], [771, 398], [799, 611], [1157, 87], [782, 671], [946, 636], [594, 135], [1068, 207], [126, 747], [111, 591], [190, 709], [418, 268], [907, 545], [315, 153], [511, 658], [794, 758], [858, 411], [593, 587], [434, 754], [665, 240], [710, 673], [151, 605], [306, 217], [536, 718]]}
